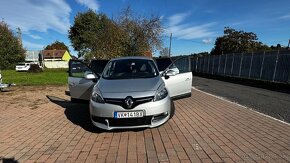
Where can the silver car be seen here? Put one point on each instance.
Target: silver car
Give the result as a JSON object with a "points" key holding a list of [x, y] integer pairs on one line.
{"points": [[130, 93]]}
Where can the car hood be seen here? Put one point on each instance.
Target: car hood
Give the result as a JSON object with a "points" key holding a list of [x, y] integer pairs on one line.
{"points": [[129, 85]]}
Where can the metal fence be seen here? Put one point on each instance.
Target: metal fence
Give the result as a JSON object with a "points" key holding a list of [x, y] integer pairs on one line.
{"points": [[267, 66]]}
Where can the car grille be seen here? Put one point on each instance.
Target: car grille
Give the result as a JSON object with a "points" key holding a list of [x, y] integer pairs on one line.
{"points": [[124, 121], [121, 102]]}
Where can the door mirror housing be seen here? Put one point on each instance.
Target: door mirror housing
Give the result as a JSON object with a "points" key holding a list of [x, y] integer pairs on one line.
{"points": [[171, 73], [90, 76]]}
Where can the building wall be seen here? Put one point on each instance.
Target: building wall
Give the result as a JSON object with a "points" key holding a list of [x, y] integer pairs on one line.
{"points": [[56, 64], [66, 56], [32, 55]]}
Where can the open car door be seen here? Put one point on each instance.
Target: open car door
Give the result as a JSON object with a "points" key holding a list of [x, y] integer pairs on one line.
{"points": [[81, 80], [178, 78]]}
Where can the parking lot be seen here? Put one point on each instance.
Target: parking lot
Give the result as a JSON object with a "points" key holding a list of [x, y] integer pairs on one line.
{"points": [[40, 124]]}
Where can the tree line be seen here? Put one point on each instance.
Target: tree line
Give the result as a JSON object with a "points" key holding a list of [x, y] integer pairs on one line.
{"points": [[234, 41]]}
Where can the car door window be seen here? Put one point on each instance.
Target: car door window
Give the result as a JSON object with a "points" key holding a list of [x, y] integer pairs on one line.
{"points": [[79, 70], [181, 65], [98, 66], [163, 63]]}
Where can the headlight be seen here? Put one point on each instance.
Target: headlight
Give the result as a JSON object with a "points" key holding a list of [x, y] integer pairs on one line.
{"points": [[161, 93], [96, 95]]}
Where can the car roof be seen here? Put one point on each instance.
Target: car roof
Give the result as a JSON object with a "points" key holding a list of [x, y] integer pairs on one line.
{"points": [[131, 57]]}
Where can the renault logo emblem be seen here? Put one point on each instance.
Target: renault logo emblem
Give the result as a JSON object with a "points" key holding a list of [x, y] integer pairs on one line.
{"points": [[129, 102]]}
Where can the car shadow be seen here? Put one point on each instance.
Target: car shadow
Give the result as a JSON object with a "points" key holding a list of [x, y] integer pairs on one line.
{"points": [[8, 160], [79, 114]]}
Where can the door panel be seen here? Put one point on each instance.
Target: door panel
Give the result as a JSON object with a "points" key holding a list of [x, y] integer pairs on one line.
{"points": [[179, 85], [79, 86]]}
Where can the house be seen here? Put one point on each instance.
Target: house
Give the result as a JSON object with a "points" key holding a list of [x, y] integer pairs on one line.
{"points": [[56, 58], [49, 58], [56, 55]]}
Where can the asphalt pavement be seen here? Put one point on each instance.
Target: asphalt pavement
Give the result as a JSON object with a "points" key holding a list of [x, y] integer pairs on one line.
{"points": [[273, 103]]}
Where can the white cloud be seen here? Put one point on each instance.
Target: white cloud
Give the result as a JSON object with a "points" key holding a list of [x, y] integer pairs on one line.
{"points": [[36, 15], [177, 18], [285, 17], [188, 31], [91, 4], [31, 46], [207, 41], [36, 37]]}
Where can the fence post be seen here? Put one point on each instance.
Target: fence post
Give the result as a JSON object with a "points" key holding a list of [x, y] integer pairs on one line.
{"points": [[203, 64], [262, 67], [277, 58], [196, 63], [241, 63], [250, 71], [232, 64], [189, 64], [212, 64], [208, 61], [219, 64], [225, 64]]}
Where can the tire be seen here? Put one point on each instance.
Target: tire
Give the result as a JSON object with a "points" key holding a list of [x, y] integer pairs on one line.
{"points": [[172, 110]]}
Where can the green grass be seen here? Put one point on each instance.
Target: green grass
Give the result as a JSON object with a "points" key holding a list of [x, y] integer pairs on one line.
{"points": [[47, 77]]}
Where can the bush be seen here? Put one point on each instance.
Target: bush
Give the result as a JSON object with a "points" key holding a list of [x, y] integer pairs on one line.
{"points": [[34, 68]]}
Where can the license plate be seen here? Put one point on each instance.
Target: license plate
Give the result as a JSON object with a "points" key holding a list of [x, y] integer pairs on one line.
{"points": [[131, 114]]}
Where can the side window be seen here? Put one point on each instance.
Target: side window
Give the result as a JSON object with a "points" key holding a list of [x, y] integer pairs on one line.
{"points": [[181, 65], [79, 70], [162, 63]]}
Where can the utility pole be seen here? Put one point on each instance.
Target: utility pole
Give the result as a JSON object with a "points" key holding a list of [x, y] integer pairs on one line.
{"points": [[19, 35], [170, 45]]}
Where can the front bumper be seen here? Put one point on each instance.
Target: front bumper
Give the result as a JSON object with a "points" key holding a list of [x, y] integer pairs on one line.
{"points": [[155, 114]]}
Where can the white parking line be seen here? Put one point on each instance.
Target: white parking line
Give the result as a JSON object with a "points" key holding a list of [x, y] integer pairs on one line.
{"points": [[224, 99]]}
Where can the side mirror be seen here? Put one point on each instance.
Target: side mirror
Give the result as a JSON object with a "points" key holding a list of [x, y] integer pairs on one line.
{"points": [[170, 73], [90, 76]]}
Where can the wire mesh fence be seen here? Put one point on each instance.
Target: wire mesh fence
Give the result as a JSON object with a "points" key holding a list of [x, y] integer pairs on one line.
{"points": [[271, 66]]}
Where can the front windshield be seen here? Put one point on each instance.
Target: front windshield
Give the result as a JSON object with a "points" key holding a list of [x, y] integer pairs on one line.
{"points": [[130, 69]]}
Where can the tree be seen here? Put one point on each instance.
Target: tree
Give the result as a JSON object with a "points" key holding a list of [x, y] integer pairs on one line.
{"points": [[142, 34], [11, 50], [95, 35], [164, 52], [237, 42], [56, 45]]}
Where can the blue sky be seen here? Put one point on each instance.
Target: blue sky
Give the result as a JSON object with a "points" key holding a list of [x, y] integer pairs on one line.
{"points": [[195, 24]]}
